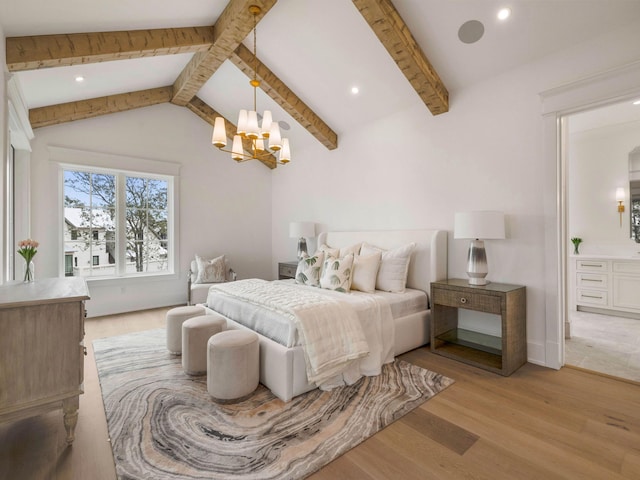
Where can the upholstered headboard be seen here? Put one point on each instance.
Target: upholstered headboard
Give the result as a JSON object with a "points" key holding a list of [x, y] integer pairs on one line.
{"points": [[429, 258]]}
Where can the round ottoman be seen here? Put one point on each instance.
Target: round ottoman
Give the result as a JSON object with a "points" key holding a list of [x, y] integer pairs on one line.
{"points": [[233, 364], [195, 334], [175, 318]]}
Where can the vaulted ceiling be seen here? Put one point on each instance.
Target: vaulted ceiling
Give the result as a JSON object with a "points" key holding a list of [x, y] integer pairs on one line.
{"points": [[198, 53]]}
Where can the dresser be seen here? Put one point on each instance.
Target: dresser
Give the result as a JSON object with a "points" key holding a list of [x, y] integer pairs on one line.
{"points": [[41, 349], [502, 354]]}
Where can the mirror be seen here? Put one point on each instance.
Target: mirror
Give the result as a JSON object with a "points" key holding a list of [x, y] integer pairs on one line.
{"points": [[634, 193]]}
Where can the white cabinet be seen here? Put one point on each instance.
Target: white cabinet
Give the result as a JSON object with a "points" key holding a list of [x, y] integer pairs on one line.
{"points": [[41, 348], [610, 284]]}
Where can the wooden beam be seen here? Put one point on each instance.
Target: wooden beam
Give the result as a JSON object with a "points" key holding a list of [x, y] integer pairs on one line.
{"points": [[244, 59], [208, 114], [41, 51], [68, 112], [394, 34], [231, 28]]}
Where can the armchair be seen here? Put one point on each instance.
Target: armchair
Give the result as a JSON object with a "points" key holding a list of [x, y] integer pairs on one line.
{"points": [[203, 273]]}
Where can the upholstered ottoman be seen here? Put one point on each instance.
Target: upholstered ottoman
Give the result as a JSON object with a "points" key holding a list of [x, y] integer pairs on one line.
{"points": [[175, 318], [233, 364], [195, 334]]}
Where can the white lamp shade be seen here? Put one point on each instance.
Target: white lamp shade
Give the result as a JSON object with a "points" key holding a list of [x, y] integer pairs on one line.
{"points": [[285, 153], [275, 141], [219, 138], [619, 194], [480, 224], [236, 148], [302, 229], [266, 124], [242, 122], [253, 131]]}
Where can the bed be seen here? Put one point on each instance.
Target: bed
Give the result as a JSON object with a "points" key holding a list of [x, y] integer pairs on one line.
{"points": [[284, 368]]}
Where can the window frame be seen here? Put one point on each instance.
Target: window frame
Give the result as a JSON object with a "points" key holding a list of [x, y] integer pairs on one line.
{"points": [[95, 162]]}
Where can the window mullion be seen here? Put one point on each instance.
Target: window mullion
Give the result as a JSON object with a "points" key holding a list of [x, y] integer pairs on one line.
{"points": [[121, 226]]}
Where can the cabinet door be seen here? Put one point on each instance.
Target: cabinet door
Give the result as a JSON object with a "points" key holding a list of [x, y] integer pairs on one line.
{"points": [[626, 291]]}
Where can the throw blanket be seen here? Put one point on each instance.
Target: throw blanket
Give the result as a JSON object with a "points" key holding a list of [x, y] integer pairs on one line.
{"points": [[329, 330]]}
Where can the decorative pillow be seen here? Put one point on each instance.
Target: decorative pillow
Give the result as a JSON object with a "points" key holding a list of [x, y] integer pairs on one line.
{"points": [[211, 271], [355, 249], [365, 272], [394, 267], [336, 273], [309, 268], [328, 251]]}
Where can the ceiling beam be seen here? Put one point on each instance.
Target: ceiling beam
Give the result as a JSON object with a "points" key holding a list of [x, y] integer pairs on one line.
{"points": [[244, 59], [396, 37], [231, 28], [68, 112], [42, 51], [208, 114]]}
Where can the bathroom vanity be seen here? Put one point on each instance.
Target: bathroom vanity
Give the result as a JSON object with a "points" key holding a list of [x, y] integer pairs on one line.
{"points": [[608, 283]]}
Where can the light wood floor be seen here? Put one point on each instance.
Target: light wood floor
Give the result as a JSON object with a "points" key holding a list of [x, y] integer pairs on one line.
{"points": [[536, 424]]}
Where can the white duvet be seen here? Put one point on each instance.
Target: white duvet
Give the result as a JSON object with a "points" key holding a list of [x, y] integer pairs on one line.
{"points": [[344, 336]]}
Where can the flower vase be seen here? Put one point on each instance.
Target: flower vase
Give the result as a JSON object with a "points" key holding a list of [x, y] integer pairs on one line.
{"points": [[29, 272], [575, 248]]}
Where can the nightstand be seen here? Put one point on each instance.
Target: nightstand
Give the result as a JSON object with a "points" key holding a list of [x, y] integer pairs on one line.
{"points": [[504, 354], [287, 270]]}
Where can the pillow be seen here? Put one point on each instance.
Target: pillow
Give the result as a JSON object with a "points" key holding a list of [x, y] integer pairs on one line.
{"points": [[211, 271], [355, 249], [394, 267], [365, 272], [328, 251], [309, 268], [336, 273]]}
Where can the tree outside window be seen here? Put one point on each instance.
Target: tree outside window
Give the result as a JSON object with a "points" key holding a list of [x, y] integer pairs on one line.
{"points": [[105, 208]]}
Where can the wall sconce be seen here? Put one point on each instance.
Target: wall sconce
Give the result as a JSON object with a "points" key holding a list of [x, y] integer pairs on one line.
{"points": [[620, 200]]}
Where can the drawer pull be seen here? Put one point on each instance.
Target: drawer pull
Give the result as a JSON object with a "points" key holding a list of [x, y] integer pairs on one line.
{"points": [[592, 296], [591, 280], [463, 300], [596, 265]]}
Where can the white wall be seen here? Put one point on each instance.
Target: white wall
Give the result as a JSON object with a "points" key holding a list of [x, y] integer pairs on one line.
{"points": [[598, 164], [486, 153], [224, 208]]}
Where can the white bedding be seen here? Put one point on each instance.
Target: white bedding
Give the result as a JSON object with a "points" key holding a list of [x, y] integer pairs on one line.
{"points": [[344, 336]]}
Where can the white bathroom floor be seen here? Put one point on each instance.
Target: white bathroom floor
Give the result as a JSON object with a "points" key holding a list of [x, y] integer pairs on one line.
{"points": [[604, 344]]}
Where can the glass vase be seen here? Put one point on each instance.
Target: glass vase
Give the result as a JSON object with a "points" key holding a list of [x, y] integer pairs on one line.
{"points": [[29, 272], [575, 248]]}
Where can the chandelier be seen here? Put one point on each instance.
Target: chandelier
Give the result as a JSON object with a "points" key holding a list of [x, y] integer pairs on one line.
{"points": [[248, 129]]}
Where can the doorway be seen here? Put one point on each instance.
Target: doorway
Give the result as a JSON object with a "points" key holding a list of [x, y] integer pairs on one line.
{"points": [[599, 335]]}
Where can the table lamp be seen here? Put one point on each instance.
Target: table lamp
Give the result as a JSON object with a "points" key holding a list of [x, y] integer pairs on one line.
{"points": [[478, 226], [302, 231]]}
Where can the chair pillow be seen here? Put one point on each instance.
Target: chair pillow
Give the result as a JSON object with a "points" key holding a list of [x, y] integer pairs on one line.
{"points": [[309, 268], [336, 273], [394, 267], [365, 272], [211, 271]]}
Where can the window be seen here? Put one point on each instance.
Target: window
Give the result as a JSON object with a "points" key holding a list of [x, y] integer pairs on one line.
{"points": [[120, 218]]}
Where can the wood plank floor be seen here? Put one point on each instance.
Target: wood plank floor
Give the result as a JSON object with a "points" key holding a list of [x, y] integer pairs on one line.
{"points": [[536, 424]]}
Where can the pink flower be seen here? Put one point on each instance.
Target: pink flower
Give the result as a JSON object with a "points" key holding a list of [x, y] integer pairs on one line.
{"points": [[27, 249]]}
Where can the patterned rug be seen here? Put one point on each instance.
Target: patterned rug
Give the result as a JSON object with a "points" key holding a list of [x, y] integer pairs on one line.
{"points": [[163, 424]]}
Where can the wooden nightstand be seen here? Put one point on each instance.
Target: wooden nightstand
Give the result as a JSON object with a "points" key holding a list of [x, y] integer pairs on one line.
{"points": [[503, 355], [287, 270]]}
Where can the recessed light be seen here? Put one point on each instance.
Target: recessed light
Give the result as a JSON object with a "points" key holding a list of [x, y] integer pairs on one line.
{"points": [[355, 90], [637, 102], [504, 13], [79, 79]]}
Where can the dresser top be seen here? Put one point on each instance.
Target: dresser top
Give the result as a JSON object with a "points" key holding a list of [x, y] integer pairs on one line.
{"points": [[459, 283], [47, 290]]}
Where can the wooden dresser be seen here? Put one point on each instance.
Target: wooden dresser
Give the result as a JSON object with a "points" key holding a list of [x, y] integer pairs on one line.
{"points": [[41, 348]]}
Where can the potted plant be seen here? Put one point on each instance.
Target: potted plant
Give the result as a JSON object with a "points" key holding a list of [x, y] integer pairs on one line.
{"points": [[576, 244]]}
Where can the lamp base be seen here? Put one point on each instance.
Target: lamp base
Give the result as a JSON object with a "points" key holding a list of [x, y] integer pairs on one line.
{"points": [[477, 267], [302, 248]]}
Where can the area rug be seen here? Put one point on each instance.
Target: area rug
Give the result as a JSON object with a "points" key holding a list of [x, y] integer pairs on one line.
{"points": [[163, 424]]}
